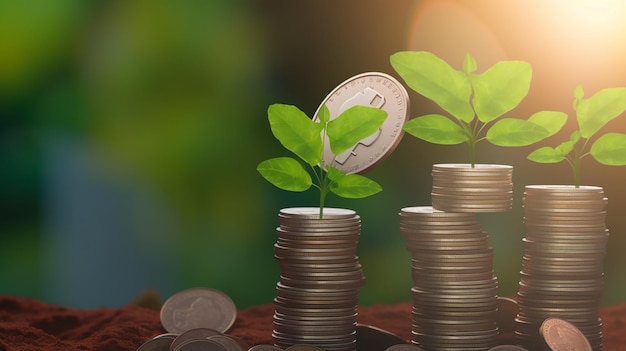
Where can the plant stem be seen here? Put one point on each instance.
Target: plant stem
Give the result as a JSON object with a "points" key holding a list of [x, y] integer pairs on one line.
{"points": [[472, 150], [576, 166], [323, 191], [322, 198]]}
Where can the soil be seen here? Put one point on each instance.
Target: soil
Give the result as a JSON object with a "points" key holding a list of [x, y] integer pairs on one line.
{"points": [[28, 324]]}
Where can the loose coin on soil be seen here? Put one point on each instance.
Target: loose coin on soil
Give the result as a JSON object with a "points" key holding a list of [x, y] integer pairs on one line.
{"points": [[158, 343], [198, 308]]}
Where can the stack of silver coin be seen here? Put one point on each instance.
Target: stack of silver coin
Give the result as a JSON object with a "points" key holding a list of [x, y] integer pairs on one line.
{"points": [[454, 288], [317, 296], [479, 189], [562, 267]]}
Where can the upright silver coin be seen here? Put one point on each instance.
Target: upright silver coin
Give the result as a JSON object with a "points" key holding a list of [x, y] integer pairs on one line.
{"points": [[560, 335], [372, 89], [198, 308]]}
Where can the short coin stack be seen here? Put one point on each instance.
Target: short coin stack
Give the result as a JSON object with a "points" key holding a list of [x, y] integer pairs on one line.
{"points": [[317, 296], [478, 189], [562, 267], [455, 290]]}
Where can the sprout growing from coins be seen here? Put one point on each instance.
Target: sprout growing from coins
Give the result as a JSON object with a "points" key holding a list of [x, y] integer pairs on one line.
{"points": [[305, 137], [473, 101], [592, 114]]}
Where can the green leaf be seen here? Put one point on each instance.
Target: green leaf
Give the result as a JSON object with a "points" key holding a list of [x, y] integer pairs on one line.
{"points": [[353, 125], [324, 115], [579, 92], [575, 136], [500, 88], [355, 186], [335, 174], [610, 149], [515, 132], [469, 64], [285, 173], [546, 154], [437, 129], [551, 121], [565, 147], [433, 78], [593, 113], [296, 132]]}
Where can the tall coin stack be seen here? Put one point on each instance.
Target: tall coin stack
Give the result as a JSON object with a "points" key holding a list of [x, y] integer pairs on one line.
{"points": [[479, 189], [455, 290], [317, 296], [562, 267]]}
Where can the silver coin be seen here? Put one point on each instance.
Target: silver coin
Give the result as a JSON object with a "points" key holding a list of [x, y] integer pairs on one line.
{"points": [[313, 212], [561, 335], [507, 348], [195, 333], [158, 343], [265, 347], [314, 320], [198, 308], [477, 168], [370, 338], [200, 345], [404, 347], [297, 225], [303, 347], [564, 189], [230, 342], [372, 89]]}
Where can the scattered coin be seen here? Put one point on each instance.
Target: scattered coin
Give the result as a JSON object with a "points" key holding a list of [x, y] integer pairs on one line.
{"points": [[200, 345], [404, 347], [198, 308], [231, 343], [158, 343], [372, 89], [560, 335], [370, 338], [507, 348], [191, 334], [265, 347]]}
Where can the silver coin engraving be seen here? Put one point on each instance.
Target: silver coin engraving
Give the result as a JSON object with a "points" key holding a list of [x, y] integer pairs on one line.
{"points": [[198, 308], [376, 90], [561, 335]]}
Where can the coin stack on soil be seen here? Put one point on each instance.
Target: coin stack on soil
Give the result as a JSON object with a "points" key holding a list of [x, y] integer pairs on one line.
{"points": [[562, 267], [455, 290], [478, 189], [317, 296]]}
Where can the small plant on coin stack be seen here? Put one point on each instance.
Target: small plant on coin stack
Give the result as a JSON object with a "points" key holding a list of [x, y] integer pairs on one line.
{"points": [[592, 114], [473, 101], [305, 137]]}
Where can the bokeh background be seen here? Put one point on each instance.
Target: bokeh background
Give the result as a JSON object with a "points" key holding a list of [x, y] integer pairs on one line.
{"points": [[130, 132]]}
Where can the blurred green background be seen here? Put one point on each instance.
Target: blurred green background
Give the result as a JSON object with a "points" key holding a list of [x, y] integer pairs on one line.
{"points": [[130, 132]]}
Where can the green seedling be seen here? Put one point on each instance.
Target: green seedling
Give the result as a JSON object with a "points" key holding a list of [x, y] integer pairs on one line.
{"points": [[592, 114], [475, 102], [305, 138]]}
